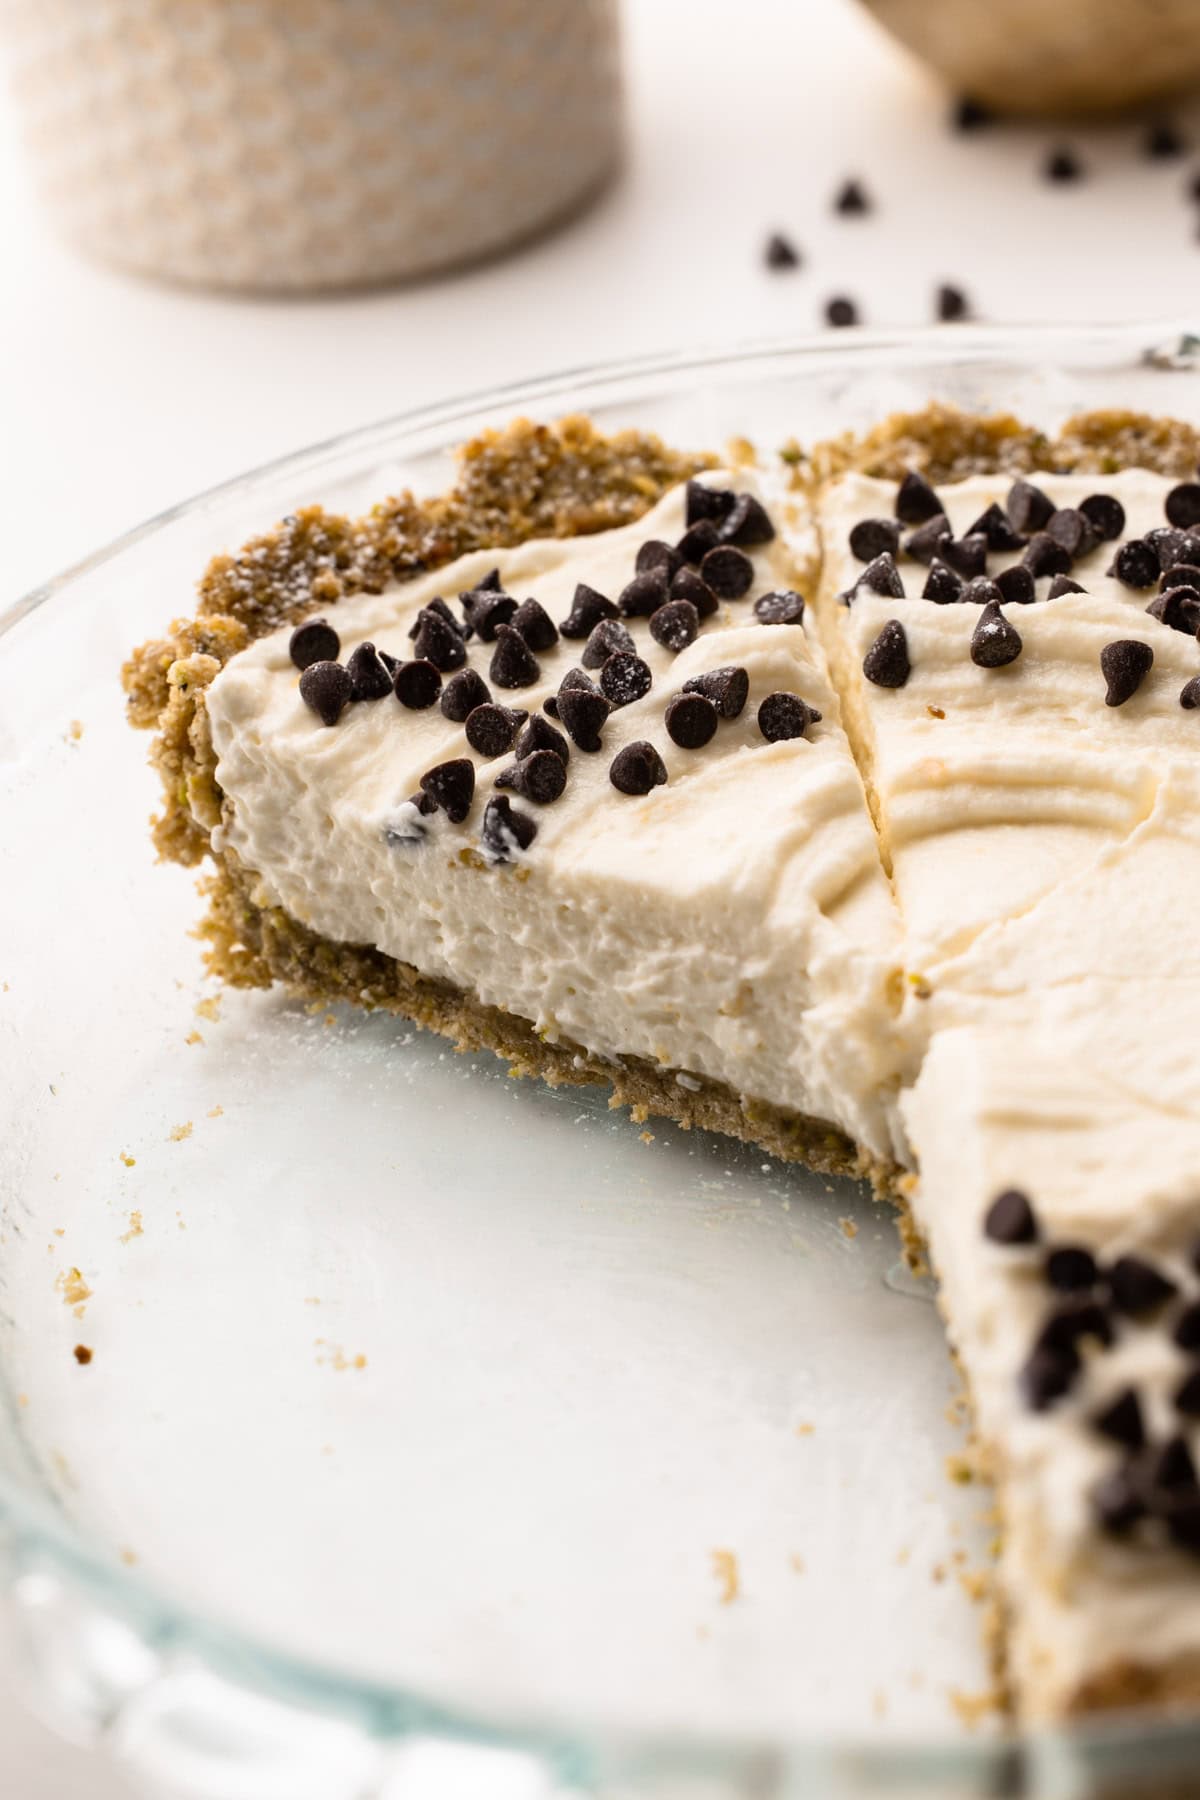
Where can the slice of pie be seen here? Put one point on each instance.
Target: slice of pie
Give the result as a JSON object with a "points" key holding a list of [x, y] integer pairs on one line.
{"points": [[847, 804]]}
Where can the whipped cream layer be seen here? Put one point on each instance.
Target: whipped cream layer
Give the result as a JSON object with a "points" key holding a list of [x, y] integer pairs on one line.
{"points": [[733, 923]]}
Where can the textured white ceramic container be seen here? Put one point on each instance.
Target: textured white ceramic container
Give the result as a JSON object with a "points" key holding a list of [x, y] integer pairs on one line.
{"points": [[299, 144]]}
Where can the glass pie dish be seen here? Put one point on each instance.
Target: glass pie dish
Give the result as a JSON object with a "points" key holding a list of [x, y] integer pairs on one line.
{"points": [[373, 1425]]}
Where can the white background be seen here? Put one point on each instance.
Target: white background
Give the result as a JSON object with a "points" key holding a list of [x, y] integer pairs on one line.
{"points": [[121, 397]]}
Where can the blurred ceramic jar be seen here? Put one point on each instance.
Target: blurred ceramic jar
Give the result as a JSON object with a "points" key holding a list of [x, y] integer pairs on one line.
{"points": [[306, 144]]}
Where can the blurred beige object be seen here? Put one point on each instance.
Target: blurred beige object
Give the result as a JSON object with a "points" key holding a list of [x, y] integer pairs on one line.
{"points": [[1053, 56], [300, 144]]}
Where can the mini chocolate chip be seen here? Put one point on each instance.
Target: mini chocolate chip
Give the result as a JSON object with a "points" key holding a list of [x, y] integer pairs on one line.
{"points": [[1187, 1395], [779, 253], [1047, 1376], [451, 785], [1062, 165], [463, 693], [1074, 1320], [312, 642], [970, 115], [691, 720], [997, 528], [575, 678], [513, 663], [1162, 141], [1069, 1267], [637, 768], [1169, 1466], [1135, 564], [1124, 664], [1116, 1502], [675, 625], [783, 607], [1106, 514], [886, 662], [625, 678], [1028, 507], [1178, 608], [687, 585], [1189, 694], [326, 687], [1182, 1517], [391, 663], [1010, 1219], [942, 585], [1044, 555], [609, 637], [369, 679], [490, 581], [1186, 550], [505, 830], [698, 540], [841, 311], [1168, 544], [924, 543], [982, 591], [587, 609], [437, 642], [538, 735], [782, 716], [1121, 1420], [851, 198], [491, 728], [1183, 505], [916, 502], [535, 625], [748, 523], [485, 610], [437, 605], [1136, 1286], [583, 712], [727, 687], [654, 554], [540, 777], [703, 502], [1017, 586], [645, 593], [872, 537], [881, 577], [1180, 575], [1187, 1327], [404, 825], [727, 571], [1071, 527], [1063, 584], [416, 685], [951, 304], [966, 554]]}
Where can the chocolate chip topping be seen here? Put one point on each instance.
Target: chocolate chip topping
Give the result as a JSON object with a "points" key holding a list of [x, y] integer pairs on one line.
{"points": [[881, 577], [312, 642], [1135, 564], [637, 768], [540, 777], [574, 678], [463, 693], [970, 115], [841, 311], [1183, 505], [994, 642], [1189, 694], [691, 720], [675, 625], [326, 687], [1162, 141], [1121, 1420], [485, 610], [1187, 1327], [369, 679], [1010, 1219], [416, 684], [748, 523], [727, 571], [1187, 1395], [942, 585], [851, 198], [437, 642], [996, 526], [654, 554], [924, 543], [1063, 584], [625, 678], [966, 554], [583, 712], [535, 625], [1136, 1286], [1028, 507], [1124, 664], [951, 304], [1044, 555], [727, 687], [438, 605], [587, 609], [404, 827], [1105, 514], [513, 663], [1178, 608], [1047, 1376], [490, 581], [538, 734], [1073, 1320], [1116, 1502], [1170, 545], [916, 501], [780, 253], [1062, 165], [873, 537], [1169, 1466], [1017, 586], [505, 830], [1180, 575], [704, 502], [451, 786], [1071, 527], [646, 593], [783, 715], [886, 662], [687, 585], [491, 728], [982, 591], [783, 607], [1070, 1268], [698, 540], [609, 637]]}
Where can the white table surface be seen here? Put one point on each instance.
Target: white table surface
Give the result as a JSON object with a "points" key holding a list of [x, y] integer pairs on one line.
{"points": [[120, 397]]}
